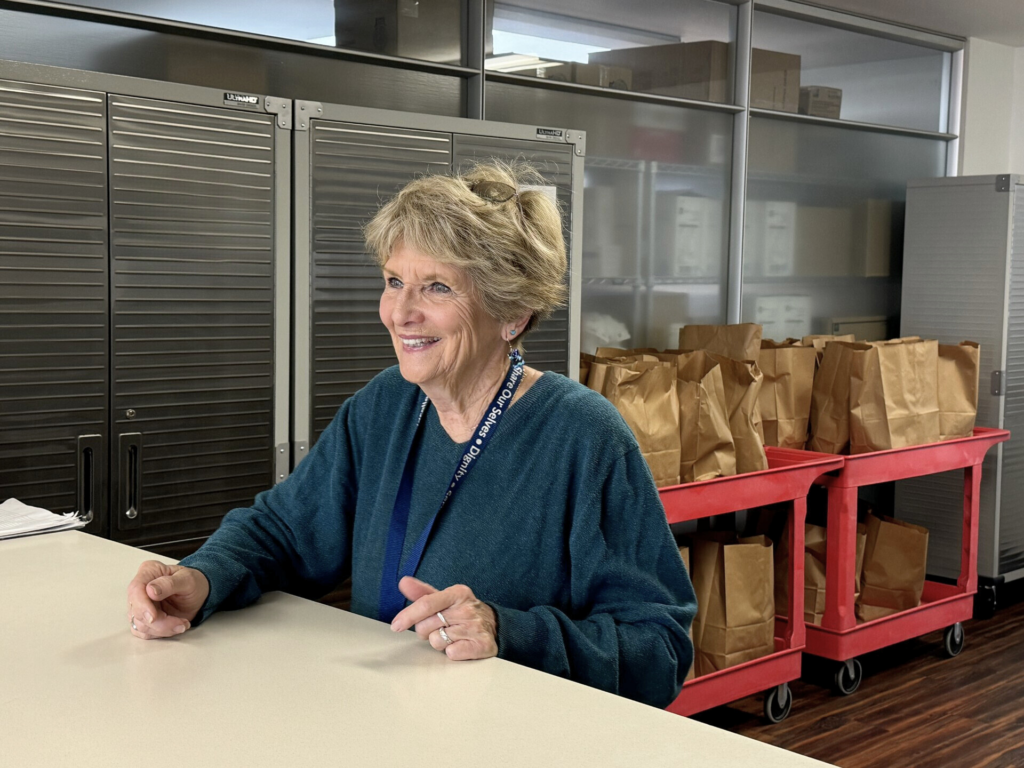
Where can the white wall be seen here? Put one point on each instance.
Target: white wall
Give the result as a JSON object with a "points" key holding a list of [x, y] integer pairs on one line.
{"points": [[1017, 118], [993, 109]]}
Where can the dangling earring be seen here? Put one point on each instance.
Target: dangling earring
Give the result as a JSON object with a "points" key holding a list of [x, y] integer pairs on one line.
{"points": [[513, 352]]}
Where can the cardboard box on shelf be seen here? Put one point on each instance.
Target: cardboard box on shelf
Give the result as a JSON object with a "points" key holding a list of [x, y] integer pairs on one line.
{"points": [[872, 238], [821, 101], [823, 241], [774, 80], [697, 70], [783, 317], [874, 328], [689, 236], [407, 28], [772, 146], [600, 75]]}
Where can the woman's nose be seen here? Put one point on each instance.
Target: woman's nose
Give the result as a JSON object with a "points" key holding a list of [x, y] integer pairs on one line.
{"points": [[406, 308]]}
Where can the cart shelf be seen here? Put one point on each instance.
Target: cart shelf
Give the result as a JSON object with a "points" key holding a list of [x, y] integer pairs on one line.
{"points": [[943, 606], [787, 480]]}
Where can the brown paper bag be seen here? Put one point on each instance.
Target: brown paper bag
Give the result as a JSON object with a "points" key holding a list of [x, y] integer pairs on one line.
{"points": [[585, 362], [895, 559], [830, 399], [958, 389], [742, 381], [706, 445], [815, 552], [821, 341], [684, 552], [645, 394], [615, 353], [739, 342], [894, 395], [735, 619], [785, 398]]}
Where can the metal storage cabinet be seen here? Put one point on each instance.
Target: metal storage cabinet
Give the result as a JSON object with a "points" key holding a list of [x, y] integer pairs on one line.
{"points": [[144, 244], [348, 161], [963, 279]]}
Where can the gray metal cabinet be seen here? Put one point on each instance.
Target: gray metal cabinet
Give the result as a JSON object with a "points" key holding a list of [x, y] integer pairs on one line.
{"points": [[963, 279], [54, 320], [347, 162], [144, 233]]}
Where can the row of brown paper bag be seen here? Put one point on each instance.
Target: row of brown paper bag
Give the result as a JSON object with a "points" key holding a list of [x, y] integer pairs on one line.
{"points": [[718, 425], [893, 394], [889, 569], [815, 553], [733, 581]]}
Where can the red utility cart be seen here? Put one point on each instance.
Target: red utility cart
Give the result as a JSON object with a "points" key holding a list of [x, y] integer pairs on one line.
{"points": [[787, 480], [943, 606]]}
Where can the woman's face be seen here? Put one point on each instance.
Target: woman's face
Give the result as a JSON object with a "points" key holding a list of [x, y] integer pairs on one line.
{"points": [[442, 335]]}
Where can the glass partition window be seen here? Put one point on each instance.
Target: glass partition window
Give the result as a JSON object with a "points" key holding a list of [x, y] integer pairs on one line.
{"points": [[429, 30], [655, 210], [677, 48], [814, 69], [823, 226]]}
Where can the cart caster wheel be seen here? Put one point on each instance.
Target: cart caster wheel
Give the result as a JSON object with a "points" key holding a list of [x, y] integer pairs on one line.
{"points": [[953, 639], [777, 703], [848, 677]]}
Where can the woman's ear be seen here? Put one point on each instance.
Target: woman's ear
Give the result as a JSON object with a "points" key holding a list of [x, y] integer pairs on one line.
{"points": [[517, 327]]}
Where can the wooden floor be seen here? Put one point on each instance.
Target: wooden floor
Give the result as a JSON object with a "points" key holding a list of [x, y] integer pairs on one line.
{"points": [[915, 706]]}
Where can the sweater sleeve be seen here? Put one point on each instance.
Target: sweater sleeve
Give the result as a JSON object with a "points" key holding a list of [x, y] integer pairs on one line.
{"points": [[297, 536], [633, 601]]}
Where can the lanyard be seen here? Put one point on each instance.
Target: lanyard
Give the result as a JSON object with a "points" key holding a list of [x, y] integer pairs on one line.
{"points": [[391, 599]]}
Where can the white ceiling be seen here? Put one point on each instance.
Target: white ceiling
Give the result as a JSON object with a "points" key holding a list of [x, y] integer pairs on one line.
{"points": [[1001, 21]]}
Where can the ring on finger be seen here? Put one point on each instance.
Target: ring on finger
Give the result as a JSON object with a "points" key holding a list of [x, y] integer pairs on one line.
{"points": [[444, 621], [444, 636], [133, 624]]}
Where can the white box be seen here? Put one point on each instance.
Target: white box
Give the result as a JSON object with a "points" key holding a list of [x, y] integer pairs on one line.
{"points": [[690, 244], [770, 231]]}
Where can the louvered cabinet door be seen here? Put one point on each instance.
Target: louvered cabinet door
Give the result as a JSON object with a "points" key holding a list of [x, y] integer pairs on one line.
{"points": [[192, 211], [53, 298], [353, 169], [547, 346]]}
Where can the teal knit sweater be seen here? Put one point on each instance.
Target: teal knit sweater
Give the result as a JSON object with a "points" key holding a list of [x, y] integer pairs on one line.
{"points": [[558, 528]]}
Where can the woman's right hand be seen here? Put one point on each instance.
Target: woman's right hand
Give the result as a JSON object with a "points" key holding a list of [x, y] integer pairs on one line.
{"points": [[163, 599]]}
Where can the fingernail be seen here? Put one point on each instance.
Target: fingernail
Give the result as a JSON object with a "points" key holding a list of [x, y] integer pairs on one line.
{"points": [[394, 627], [156, 591], [149, 617], [179, 629]]}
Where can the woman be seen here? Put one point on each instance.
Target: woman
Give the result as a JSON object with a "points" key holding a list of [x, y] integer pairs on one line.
{"points": [[497, 510]]}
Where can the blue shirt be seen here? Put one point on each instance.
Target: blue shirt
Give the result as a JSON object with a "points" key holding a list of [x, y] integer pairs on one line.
{"points": [[558, 528]]}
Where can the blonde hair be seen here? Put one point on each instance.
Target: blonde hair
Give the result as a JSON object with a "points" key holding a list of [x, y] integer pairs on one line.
{"points": [[513, 251]]}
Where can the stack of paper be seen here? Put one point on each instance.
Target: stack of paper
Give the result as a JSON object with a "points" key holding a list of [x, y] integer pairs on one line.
{"points": [[18, 519]]}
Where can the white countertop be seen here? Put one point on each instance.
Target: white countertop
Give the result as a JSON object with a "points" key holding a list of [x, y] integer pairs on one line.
{"points": [[288, 682]]}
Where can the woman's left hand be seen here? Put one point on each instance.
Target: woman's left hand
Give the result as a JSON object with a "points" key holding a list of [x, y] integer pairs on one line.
{"points": [[472, 625]]}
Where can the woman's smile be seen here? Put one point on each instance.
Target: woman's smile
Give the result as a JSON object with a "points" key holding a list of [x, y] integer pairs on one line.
{"points": [[418, 343]]}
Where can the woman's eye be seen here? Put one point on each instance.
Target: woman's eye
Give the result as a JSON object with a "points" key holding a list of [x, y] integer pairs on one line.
{"points": [[393, 282], [440, 288]]}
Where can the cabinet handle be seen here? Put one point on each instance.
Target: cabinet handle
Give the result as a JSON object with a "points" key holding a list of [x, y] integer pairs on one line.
{"points": [[131, 480], [89, 449]]}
